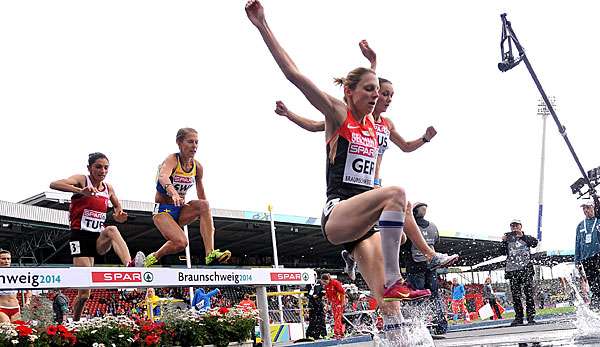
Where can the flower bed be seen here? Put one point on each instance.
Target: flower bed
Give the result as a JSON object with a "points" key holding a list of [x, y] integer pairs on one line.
{"points": [[217, 327]]}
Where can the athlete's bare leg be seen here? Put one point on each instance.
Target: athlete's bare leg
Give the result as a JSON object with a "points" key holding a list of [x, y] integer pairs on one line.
{"points": [[369, 257], [4, 318], [170, 229], [351, 219], [111, 237], [200, 209], [82, 294]]}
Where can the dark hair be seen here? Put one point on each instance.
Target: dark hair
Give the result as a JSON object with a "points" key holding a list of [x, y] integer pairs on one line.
{"points": [[325, 277], [92, 157], [4, 251], [383, 80], [183, 132]]}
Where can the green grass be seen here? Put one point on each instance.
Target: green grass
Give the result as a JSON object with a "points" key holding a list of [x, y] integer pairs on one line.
{"points": [[539, 312]]}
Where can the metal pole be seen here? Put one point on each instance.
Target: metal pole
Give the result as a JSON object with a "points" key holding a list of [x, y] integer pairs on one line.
{"points": [[263, 309], [276, 260], [543, 111], [301, 301], [561, 129], [188, 260]]}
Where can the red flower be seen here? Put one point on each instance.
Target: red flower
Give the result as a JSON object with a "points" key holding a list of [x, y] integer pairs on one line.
{"points": [[51, 330], [23, 330], [151, 340], [19, 322], [223, 310], [62, 329]]}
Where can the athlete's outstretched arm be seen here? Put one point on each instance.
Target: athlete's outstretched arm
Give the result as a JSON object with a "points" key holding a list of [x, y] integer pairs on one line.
{"points": [[73, 184], [119, 215], [369, 53], [333, 109], [409, 146], [164, 174], [304, 123]]}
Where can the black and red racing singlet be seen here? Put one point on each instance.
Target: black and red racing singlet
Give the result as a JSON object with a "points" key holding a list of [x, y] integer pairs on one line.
{"points": [[382, 128], [351, 158], [89, 212]]}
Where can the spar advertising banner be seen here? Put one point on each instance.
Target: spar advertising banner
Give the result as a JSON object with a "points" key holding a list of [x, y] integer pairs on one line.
{"points": [[114, 277]]}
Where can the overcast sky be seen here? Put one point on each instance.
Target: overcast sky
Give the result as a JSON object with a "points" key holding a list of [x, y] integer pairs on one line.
{"points": [[121, 77]]}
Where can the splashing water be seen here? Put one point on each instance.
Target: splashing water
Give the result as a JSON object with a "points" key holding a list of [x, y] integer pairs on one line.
{"points": [[400, 331], [587, 322]]}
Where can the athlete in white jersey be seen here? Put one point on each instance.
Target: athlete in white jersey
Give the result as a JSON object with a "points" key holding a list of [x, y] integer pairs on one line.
{"points": [[386, 131]]}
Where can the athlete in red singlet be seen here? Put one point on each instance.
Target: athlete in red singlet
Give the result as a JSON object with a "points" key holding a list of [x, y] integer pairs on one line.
{"points": [[10, 310], [386, 131], [353, 206], [87, 215]]}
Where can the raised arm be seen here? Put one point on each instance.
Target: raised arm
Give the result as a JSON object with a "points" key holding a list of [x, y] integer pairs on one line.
{"points": [[304, 123], [369, 53], [73, 184], [119, 215], [409, 146], [334, 110]]}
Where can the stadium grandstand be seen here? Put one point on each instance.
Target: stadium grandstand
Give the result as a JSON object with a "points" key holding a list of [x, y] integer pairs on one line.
{"points": [[36, 232]]}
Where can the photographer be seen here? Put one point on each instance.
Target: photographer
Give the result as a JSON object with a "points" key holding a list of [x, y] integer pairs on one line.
{"points": [[519, 270]]}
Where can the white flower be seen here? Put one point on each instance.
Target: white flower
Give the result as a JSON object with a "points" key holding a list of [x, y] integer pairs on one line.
{"points": [[14, 342], [95, 344]]}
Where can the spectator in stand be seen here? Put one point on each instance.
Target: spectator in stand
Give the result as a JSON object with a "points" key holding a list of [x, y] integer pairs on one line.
{"points": [[336, 295], [458, 301], [490, 297], [247, 303], [60, 306], [201, 301], [519, 270], [316, 313], [587, 251]]}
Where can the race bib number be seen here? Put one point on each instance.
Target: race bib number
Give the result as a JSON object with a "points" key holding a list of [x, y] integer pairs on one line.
{"points": [[588, 238], [182, 184], [383, 134], [93, 220], [75, 247], [360, 165]]}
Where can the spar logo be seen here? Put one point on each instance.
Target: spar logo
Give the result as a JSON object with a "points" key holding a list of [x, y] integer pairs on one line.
{"points": [[286, 276], [116, 277]]}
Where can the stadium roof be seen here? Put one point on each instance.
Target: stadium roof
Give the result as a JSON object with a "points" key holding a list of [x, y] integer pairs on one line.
{"points": [[38, 227]]}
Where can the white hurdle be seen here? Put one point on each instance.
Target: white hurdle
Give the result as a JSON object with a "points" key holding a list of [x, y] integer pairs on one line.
{"points": [[38, 278]]}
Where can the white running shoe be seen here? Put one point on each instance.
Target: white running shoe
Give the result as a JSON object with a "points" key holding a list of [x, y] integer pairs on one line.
{"points": [[350, 267], [139, 259], [440, 260]]}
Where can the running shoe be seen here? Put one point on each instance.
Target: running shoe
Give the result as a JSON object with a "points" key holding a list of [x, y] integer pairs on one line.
{"points": [[401, 291], [138, 261], [440, 260], [217, 255], [350, 267], [150, 260]]}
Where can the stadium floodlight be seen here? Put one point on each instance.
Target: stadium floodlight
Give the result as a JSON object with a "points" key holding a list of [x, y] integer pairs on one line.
{"points": [[508, 61]]}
